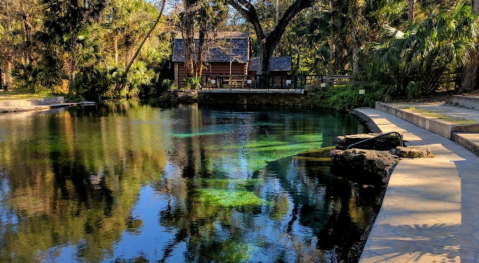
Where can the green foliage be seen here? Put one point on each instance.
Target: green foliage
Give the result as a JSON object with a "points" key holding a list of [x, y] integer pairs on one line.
{"points": [[192, 83], [95, 38], [345, 97], [413, 60], [29, 79]]}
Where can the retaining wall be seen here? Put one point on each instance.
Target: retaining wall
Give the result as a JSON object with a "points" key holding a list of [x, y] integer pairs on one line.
{"points": [[467, 102], [32, 102], [251, 99], [429, 123]]}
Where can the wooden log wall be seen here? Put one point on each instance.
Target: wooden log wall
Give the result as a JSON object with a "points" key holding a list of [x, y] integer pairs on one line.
{"points": [[219, 68]]}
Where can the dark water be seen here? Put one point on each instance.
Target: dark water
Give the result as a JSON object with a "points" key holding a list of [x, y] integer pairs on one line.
{"points": [[186, 184]]}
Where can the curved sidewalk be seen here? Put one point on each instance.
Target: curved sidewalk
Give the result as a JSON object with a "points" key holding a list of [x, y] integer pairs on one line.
{"points": [[430, 212]]}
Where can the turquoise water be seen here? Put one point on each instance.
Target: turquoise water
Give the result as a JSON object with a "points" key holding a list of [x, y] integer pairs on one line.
{"points": [[177, 184]]}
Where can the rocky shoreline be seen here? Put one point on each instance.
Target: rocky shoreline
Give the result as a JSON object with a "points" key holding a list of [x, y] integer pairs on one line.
{"points": [[374, 160]]}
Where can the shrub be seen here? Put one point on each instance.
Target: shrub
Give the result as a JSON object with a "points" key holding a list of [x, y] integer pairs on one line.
{"points": [[345, 97]]}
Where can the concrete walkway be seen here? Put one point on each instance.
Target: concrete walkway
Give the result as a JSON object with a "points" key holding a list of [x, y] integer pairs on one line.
{"points": [[430, 211]]}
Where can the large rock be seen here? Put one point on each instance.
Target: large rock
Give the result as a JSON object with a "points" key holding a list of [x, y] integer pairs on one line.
{"points": [[384, 143], [362, 161]]}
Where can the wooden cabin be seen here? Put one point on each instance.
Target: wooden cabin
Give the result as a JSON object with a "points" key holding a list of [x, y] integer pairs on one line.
{"points": [[225, 53], [221, 50], [278, 66]]}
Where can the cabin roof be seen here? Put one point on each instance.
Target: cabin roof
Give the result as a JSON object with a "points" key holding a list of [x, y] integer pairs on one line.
{"points": [[276, 64], [221, 47]]}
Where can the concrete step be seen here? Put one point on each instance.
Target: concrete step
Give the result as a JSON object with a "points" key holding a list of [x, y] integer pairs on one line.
{"points": [[469, 141], [433, 124], [471, 102], [465, 135]]}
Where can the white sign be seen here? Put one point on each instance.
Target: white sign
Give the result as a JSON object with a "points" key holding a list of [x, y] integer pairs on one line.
{"points": [[362, 92], [213, 81], [249, 81], [323, 85], [288, 82]]}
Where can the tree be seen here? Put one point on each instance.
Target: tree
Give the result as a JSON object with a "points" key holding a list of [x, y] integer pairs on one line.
{"points": [[469, 75], [68, 18], [332, 39], [10, 38], [475, 5], [189, 36], [415, 59], [355, 15], [209, 15], [412, 10], [267, 42]]}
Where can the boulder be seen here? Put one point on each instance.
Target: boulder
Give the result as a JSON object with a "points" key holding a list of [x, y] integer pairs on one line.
{"points": [[363, 161], [412, 152], [384, 143]]}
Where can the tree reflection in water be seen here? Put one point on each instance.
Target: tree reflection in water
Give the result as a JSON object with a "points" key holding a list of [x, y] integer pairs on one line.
{"points": [[134, 182]]}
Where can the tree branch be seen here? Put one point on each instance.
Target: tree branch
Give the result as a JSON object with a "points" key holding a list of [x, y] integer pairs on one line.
{"points": [[248, 11], [146, 37], [283, 23]]}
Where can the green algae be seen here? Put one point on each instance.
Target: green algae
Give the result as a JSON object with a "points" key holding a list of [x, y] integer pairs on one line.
{"points": [[228, 198], [224, 183], [190, 135]]}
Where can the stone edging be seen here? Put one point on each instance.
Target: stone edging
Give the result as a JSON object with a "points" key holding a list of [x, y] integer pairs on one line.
{"points": [[367, 121], [32, 102]]}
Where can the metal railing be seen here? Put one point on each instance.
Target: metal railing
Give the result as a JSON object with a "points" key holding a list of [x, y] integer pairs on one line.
{"points": [[401, 141], [260, 81]]}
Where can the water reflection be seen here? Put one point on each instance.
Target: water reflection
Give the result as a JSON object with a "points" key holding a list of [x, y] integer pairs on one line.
{"points": [[186, 184]]}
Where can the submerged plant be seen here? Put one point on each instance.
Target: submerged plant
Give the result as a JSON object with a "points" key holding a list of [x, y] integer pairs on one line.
{"points": [[229, 198]]}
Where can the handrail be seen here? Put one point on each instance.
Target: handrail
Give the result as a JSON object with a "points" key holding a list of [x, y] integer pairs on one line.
{"points": [[378, 136]]}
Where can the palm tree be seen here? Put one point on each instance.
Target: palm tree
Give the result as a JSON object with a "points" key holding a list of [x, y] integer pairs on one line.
{"points": [[441, 43]]}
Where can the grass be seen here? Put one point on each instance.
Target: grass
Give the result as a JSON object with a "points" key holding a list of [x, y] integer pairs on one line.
{"points": [[16, 95], [442, 116]]}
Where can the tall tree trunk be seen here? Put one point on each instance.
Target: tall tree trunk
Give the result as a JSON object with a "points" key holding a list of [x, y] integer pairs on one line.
{"points": [[356, 47], [115, 45], [355, 41], [332, 47], [277, 50], [73, 60], [28, 35], [469, 74], [201, 43], [298, 58], [412, 11], [189, 39], [265, 53], [128, 44], [8, 72]]}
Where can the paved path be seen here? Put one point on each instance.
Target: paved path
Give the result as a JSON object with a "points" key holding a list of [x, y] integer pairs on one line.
{"points": [[431, 209]]}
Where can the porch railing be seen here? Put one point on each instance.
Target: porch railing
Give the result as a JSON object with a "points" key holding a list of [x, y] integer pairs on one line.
{"points": [[260, 81]]}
